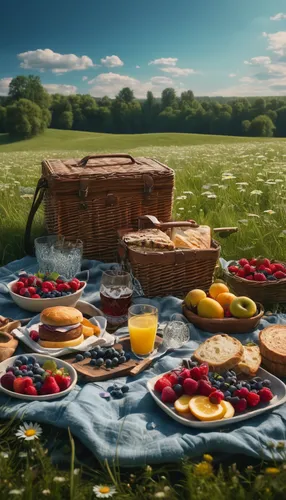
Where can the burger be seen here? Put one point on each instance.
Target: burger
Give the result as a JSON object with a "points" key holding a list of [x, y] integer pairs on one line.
{"points": [[60, 327]]}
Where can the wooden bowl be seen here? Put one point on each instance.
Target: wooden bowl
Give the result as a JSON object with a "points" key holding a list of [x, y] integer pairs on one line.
{"points": [[224, 325]]}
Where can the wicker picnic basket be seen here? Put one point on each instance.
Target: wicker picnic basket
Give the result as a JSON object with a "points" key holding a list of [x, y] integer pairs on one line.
{"points": [[90, 199], [265, 292], [169, 272]]}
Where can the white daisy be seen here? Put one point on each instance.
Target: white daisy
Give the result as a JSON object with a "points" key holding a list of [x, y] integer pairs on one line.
{"points": [[16, 492], [29, 431], [3, 454], [76, 472], [46, 492], [59, 479], [104, 491], [22, 454]]}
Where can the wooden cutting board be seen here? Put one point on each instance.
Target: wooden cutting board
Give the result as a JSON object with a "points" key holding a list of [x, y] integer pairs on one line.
{"points": [[94, 374]]}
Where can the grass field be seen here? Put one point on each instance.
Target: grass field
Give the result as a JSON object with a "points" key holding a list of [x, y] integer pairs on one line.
{"points": [[221, 181]]}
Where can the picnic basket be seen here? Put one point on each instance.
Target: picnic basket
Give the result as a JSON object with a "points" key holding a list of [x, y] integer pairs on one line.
{"points": [[90, 199], [171, 272]]}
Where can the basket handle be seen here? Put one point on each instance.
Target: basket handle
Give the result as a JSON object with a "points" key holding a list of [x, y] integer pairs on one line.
{"points": [[149, 221], [38, 198], [83, 162]]}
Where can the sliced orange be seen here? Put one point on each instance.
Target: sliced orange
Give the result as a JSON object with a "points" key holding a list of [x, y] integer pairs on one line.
{"points": [[203, 409], [229, 409], [88, 329], [182, 404]]}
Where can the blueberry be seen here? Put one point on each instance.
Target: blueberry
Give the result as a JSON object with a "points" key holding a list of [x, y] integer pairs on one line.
{"points": [[108, 363], [17, 372], [110, 388], [216, 385], [87, 354], [30, 373], [232, 388], [17, 362], [177, 388], [38, 385], [79, 357], [115, 361], [220, 378], [99, 362], [108, 353], [258, 385], [36, 365], [117, 394], [24, 360], [180, 380], [25, 373], [92, 362], [96, 348], [121, 360], [271, 278], [127, 356], [227, 394], [257, 379], [266, 383], [101, 353], [239, 385], [10, 369], [224, 386], [125, 388], [37, 378], [93, 354], [228, 398], [234, 400], [39, 371], [20, 373]]}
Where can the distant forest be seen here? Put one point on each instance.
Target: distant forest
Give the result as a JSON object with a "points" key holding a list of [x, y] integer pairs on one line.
{"points": [[29, 109]]}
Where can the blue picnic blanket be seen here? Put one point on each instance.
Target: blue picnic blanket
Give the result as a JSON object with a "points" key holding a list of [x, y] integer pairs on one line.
{"points": [[134, 430]]}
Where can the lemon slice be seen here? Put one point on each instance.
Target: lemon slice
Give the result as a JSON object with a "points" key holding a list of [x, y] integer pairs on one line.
{"points": [[182, 404], [229, 409], [203, 409]]}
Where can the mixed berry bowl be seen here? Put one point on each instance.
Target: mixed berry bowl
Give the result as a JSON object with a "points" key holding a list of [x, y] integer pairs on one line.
{"points": [[32, 293]]}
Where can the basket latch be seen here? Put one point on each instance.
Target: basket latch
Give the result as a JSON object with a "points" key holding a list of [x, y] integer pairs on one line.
{"points": [[83, 192], [111, 200], [148, 184]]}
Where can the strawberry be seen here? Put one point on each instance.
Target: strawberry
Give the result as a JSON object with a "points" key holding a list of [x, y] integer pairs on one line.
{"points": [[273, 268], [185, 373], [172, 377], [38, 283], [162, 383], [243, 262], [23, 290], [241, 273], [49, 286], [265, 395], [204, 388], [216, 397], [67, 287], [268, 270], [32, 290], [168, 395], [21, 383], [247, 268], [74, 285], [204, 369], [266, 262], [249, 277], [253, 399], [20, 284], [195, 373], [259, 277], [261, 267], [240, 406], [49, 386], [190, 386], [253, 262], [60, 287], [233, 269], [35, 296], [82, 283], [76, 280], [279, 267], [242, 393], [31, 390], [252, 269], [63, 381], [279, 275], [31, 280]]}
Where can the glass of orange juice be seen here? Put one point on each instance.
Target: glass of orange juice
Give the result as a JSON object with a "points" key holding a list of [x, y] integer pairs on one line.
{"points": [[142, 325]]}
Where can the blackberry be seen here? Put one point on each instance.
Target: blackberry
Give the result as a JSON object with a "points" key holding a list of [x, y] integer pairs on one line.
{"points": [[117, 394]]}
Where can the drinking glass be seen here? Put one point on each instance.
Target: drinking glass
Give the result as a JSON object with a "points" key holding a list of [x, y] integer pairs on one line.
{"points": [[58, 254], [142, 325], [115, 294]]}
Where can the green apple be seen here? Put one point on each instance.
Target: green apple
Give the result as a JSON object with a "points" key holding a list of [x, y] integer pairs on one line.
{"points": [[242, 307]]}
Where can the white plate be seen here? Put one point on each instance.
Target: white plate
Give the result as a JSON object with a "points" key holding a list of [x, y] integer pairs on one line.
{"points": [[277, 387], [38, 305], [40, 359]]}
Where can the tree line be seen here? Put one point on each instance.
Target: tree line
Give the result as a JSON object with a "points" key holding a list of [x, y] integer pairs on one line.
{"points": [[28, 110]]}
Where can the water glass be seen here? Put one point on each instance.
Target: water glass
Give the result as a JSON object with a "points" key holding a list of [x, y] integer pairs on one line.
{"points": [[58, 254], [115, 294], [142, 326]]}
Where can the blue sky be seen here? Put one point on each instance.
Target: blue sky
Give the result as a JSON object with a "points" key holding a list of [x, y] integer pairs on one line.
{"points": [[214, 47]]}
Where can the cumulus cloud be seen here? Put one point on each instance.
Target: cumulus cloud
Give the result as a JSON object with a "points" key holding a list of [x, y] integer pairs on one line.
{"points": [[4, 85], [161, 80], [137, 67], [232, 75], [257, 61], [164, 61], [111, 61], [54, 88], [175, 71], [278, 17], [277, 42], [44, 60]]}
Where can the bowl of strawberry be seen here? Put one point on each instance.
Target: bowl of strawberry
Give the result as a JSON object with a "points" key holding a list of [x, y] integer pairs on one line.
{"points": [[261, 279], [36, 377], [36, 292]]}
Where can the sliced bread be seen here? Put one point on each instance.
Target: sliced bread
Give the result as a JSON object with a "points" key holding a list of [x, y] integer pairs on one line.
{"points": [[250, 362], [221, 352], [272, 342]]}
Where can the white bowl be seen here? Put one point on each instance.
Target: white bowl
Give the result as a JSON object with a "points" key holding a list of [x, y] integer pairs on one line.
{"points": [[40, 359], [38, 305]]}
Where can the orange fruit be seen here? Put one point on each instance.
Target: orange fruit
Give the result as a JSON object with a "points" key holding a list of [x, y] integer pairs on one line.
{"points": [[216, 289], [225, 298], [229, 409], [203, 409], [182, 404]]}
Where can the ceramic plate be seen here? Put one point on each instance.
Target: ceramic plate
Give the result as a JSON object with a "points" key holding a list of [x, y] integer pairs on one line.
{"points": [[277, 387], [40, 359]]}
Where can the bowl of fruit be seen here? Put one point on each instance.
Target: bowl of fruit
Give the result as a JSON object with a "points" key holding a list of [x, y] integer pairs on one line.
{"points": [[36, 377], [219, 310], [36, 292], [259, 278]]}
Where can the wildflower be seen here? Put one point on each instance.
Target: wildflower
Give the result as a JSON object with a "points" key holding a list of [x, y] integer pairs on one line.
{"points": [[253, 215], [211, 196], [167, 489], [28, 432], [22, 454], [203, 469], [272, 471], [16, 492], [249, 468], [256, 191], [270, 212], [46, 492], [160, 494], [76, 472], [3, 454], [208, 458], [104, 491], [270, 445], [181, 198], [148, 468], [280, 445], [59, 479]]}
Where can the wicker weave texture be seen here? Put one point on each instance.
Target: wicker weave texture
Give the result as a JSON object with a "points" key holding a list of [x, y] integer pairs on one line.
{"points": [[265, 292]]}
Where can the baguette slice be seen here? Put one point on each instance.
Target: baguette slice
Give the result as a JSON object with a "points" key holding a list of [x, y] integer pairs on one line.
{"points": [[251, 361], [221, 352]]}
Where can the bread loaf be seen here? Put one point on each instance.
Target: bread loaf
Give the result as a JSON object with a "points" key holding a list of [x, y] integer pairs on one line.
{"points": [[221, 352], [272, 342]]}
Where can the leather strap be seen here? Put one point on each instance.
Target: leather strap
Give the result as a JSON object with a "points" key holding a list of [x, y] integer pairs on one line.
{"points": [[38, 198]]}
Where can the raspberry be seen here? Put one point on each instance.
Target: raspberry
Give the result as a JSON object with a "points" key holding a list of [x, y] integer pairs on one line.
{"points": [[60, 287], [32, 290], [172, 377], [190, 386], [243, 262], [259, 277], [185, 373], [82, 283], [31, 390], [252, 269], [274, 268], [265, 395], [216, 397], [35, 296], [204, 388], [233, 269], [34, 335], [240, 406], [23, 290], [242, 393], [279, 275], [240, 273], [168, 395], [63, 381], [19, 284], [253, 399], [204, 369], [162, 383], [195, 373], [31, 280], [49, 286]]}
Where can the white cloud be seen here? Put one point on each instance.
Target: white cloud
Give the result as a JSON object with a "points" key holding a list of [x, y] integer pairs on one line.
{"points": [[161, 80], [278, 17], [259, 60], [54, 88], [137, 67], [277, 42], [84, 78], [174, 71], [247, 79], [4, 85], [111, 61], [46, 59], [164, 61], [232, 75]]}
